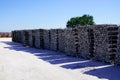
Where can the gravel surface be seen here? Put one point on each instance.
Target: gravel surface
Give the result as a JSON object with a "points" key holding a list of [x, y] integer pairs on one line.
{"points": [[22, 63]]}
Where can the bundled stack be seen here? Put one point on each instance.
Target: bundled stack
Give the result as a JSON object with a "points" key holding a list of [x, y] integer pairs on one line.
{"points": [[33, 38], [106, 43], [83, 48], [71, 42], [54, 39], [47, 39], [14, 36], [37, 38], [30, 38], [41, 38], [61, 40], [26, 38], [113, 43], [91, 42], [22, 36], [39, 41], [117, 60], [17, 36], [100, 42]]}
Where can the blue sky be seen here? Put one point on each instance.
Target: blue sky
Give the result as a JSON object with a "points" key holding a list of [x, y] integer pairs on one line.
{"points": [[47, 14]]}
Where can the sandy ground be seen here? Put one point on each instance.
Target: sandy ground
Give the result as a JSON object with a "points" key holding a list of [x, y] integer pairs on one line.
{"points": [[21, 63]]}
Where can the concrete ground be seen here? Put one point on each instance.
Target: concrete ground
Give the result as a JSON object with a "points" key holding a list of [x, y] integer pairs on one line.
{"points": [[22, 63]]}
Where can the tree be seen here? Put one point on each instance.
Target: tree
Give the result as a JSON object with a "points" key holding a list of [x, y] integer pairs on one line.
{"points": [[83, 20]]}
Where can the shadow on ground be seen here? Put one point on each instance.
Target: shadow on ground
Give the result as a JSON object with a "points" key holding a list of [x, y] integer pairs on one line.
{"points": [[110, 73], [102, 70]]}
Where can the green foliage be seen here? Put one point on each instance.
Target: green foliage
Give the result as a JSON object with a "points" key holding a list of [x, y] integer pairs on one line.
{"points": [[83, 20]]}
